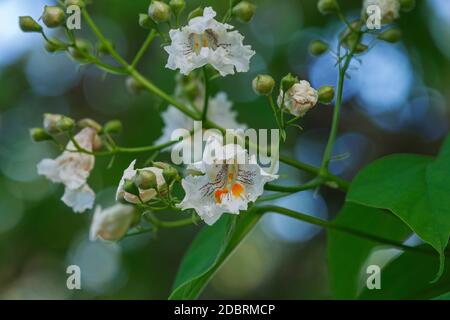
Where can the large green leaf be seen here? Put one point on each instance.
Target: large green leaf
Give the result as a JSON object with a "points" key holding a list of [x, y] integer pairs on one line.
{"points": [[445, 296], [208, 251], [347, 254], [408, 277], [415, 188]]}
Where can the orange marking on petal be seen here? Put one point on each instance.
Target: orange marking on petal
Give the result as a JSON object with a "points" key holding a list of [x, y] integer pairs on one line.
{"points": [[218, 194], [237, 189]]}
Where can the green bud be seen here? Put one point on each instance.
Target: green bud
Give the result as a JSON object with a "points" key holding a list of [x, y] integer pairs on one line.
{"points": [[51, 121], [391, 35], [79, 3], [102, 48], [407, 5], [113, 126], [39, 134], [263, 84], [133, 86], [53, 16], [318, 47], [159, 11], [65, 124], [55, 45], [361, 48], [145, 179], [81, 51], [327, 6], [28, 24], [89, 123], [326, 94], [197, 12], [177, 6], [244, 11], [130, 187], [170, 174], [146, 22], [288, 81], [160, 165]]}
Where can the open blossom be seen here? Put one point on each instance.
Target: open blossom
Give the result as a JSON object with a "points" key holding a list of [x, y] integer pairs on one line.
{"points": [[145, 195], [219, 111], [112, 223], [206, 41], [73, 169], [299, 99], [225, 181], [390, 9]]}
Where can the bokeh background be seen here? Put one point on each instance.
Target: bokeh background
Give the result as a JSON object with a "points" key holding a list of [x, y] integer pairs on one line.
{"points": [[397, 100]]}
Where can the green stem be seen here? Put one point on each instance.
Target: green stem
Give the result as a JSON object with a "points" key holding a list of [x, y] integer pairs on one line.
{"points": [[143, 48], [171, 224], [274, 110], [293, 189], [333, 226], [329, 179], [337, 109], [118, 149], [206, 98]]}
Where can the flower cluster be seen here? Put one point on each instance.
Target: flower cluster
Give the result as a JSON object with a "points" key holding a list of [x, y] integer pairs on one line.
{"points": [[226, 178]]}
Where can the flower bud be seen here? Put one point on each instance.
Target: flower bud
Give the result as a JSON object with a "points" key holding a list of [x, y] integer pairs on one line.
{"points": [[53, 16], [244, 11], [130, 187], [197, 12], [146, 22], [318, 47], [170, 174], [159, 11], [327, 6], [79, 3], [288, 81], [133, 86], [326, 94], [112, 223], [177, 6], [145, 179], [28, 24], [81, 51], [102, 48], [391, 35], [39, 134], [407, 5], [89, 123], [57, 123], [361, 48], [113, 126], [65, 124], [54, 45], [263, 84]]}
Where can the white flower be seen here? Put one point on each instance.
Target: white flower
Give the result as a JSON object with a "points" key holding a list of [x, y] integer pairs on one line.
{"points": [[299, 99], [390, 9], [225, 181], [145, 195], [219, 111], [73, 169], [206, 41], [111, 224]]}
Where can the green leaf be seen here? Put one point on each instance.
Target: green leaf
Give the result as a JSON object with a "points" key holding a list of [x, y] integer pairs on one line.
{"points": [[347, 253], [408, 277], [208, 251], [445, 296], [415, 188]]}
